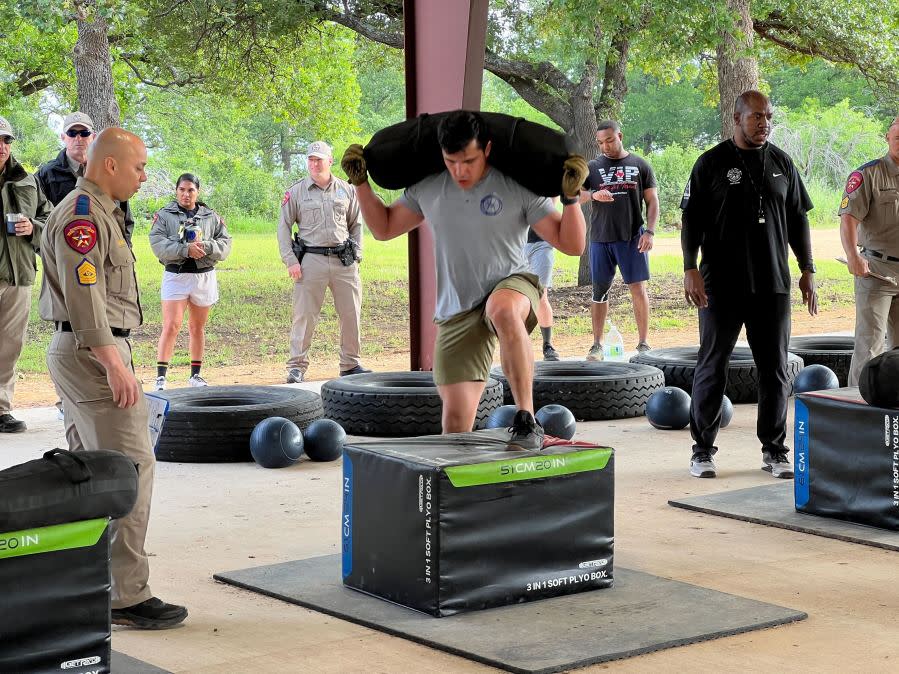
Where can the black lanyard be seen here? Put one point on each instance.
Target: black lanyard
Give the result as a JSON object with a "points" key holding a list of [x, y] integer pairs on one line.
{"points": [[759, 190]]}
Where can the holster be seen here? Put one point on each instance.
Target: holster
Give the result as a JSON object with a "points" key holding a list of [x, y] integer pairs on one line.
{"points": [[348, 255], [299, 248]]}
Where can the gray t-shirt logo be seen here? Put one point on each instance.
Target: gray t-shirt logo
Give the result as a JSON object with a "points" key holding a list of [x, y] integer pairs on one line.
{"points": [[491, 205]]}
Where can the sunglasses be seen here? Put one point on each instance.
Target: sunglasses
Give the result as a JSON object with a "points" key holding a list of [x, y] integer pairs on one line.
{"points": [[6, 140], [84, 133]]}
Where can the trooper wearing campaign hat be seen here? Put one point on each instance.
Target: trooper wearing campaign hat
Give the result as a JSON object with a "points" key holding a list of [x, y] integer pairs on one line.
{"points": [[323, 253], [57, 176], [24, 210]]}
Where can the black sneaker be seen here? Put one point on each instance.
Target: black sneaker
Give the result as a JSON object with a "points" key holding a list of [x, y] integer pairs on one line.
{"points": [[356, 370], [526, 432], [549, 353], [9, 424], [152, 614]]}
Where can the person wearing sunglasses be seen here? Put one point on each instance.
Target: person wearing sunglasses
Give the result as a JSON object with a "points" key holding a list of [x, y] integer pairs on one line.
{"points": [[25, 211], [57, 176]]}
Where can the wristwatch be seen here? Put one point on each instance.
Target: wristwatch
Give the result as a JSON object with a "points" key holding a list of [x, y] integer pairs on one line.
{"points": [[567, 201], [651, 232], [810, 268]]}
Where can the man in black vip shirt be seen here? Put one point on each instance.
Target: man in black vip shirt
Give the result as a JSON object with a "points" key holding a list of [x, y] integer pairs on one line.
{"points": [[618, 185], [744, 205]]}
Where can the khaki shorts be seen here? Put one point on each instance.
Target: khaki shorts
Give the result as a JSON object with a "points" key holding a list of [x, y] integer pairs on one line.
{"points": [[466, 341]]}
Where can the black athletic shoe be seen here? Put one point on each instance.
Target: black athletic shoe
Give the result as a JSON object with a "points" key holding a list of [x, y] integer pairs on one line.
{"points": [[549, 353], [9, 424], [152, 614], [356, 370], [526, 432]]}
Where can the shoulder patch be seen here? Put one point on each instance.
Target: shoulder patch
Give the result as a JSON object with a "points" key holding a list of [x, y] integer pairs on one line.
{"points": [[854, 182], [83, 205], [80, 235], [155, 217], [87, 273], [286, 197]]}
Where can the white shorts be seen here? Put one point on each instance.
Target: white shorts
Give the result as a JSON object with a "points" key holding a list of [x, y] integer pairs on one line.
{"points": [[201, 289]]}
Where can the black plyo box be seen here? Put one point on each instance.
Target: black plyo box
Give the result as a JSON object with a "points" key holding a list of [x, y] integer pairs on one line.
{"points": [[847, 458], [56, 599], [444, 524]]}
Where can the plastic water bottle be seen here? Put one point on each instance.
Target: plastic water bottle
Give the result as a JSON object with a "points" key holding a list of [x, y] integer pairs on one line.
{"points": [[613, 345]]}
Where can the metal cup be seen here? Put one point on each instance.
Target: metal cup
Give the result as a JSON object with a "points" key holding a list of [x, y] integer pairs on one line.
{"points": [[11, 220]]}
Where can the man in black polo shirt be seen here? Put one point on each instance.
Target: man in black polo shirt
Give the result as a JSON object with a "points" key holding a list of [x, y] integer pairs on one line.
{"points": [[744, 204]]}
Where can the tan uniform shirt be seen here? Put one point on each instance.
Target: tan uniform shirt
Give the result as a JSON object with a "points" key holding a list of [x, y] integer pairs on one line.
{"points": [[871, 196], [89, 277], [325, 217]]}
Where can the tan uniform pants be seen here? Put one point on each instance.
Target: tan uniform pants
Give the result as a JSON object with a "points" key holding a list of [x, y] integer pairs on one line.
{"points": [[15, 302], [321, 272], [94, 422], [876, 315]]}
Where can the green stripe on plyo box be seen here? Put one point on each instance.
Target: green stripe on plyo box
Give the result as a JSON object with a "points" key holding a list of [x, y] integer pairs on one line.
{"points": [[50, 539], [528, 468]]}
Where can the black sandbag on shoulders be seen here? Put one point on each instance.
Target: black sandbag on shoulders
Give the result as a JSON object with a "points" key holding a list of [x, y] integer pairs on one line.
{"points": [[399, 156], [65, 486]]}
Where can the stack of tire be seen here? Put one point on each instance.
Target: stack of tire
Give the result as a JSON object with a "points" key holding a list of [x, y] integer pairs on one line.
{"points": [[678, 364], [395, 404], [593, 391], [213, 424], [833, 351]]}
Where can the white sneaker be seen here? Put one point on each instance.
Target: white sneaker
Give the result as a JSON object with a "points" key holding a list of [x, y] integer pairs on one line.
{"points": [[196, 380], [702, 465], [160, 383], [777, 464]]}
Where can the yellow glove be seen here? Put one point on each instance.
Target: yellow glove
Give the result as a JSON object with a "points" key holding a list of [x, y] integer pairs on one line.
{"points": [[353, 164], [574, 173]]}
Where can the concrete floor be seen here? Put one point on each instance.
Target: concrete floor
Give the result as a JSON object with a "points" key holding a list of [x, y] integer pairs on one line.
{"points": [[218, 517]]}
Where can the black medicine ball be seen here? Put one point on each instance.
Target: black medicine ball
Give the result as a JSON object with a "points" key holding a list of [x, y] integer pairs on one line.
{"points": [[879, 380]]}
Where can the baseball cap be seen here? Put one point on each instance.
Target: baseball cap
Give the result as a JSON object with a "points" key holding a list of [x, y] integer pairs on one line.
{"points": [[77, 119], [319, 149], [6, 129]]}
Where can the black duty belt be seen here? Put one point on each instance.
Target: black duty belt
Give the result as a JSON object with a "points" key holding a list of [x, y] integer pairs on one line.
{"points": [[879, 255], [318, 250], [178, 269], [65, 326]]}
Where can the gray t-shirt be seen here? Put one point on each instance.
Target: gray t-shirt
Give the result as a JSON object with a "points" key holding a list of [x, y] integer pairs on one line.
{"points": [[479, 234]]}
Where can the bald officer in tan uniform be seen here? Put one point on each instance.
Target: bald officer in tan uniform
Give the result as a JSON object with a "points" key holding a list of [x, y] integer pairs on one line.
{"points": [[869, 229], [90, 293], [326, 215]]}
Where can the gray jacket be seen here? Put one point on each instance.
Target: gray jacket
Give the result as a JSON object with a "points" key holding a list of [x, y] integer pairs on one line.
{"points": [[166, 235]]}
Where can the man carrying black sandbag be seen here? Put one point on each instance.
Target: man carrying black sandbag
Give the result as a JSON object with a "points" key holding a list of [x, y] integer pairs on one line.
{"points": [[485, 292]]}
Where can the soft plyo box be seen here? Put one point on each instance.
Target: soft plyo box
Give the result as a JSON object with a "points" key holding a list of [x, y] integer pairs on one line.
{"points": [[847, 458], [451, 523], [56, 598]]}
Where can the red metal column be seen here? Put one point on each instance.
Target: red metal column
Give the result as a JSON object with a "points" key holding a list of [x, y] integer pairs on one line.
{"points": [[445, 42]]}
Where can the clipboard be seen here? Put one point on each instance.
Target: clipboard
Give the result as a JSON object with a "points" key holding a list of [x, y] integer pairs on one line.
{"points": [[881, 277], [157, 410]]}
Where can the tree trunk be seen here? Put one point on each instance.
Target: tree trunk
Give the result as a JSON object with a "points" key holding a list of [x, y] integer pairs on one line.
{"points": [[93, 68], [286, 155], [586, 117], [737, 68]]}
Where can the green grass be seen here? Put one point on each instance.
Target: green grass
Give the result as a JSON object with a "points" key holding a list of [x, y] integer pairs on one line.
{"points": [[251, 322]]}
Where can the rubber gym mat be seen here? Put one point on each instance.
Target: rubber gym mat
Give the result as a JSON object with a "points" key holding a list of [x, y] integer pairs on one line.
{"points": [[773, 505], [639, 614], [125, 664]]}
